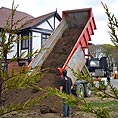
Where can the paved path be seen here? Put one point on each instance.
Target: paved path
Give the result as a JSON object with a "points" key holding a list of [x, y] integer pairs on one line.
{"points": [[114, 82]]}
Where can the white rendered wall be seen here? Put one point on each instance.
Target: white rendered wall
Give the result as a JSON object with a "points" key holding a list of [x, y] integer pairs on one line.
{"points": [[14, 49]]}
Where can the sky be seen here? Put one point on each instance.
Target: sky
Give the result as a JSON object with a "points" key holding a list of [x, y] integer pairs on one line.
{"points": [[39, 7]]}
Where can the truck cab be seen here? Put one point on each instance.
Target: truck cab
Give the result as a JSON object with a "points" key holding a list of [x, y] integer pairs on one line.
{"points": [[99, 70]]}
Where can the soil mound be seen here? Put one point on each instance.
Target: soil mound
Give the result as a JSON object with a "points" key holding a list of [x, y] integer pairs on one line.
{"points": [[55, 60]]}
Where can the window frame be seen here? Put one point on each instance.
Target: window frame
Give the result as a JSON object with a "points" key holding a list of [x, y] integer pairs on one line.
{"points": [[25, 42], [44, 37]]}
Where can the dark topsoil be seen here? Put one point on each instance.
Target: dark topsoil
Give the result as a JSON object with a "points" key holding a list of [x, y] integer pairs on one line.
{"points": [[51, 78]]}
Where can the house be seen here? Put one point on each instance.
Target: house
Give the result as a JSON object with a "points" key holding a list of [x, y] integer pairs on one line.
{"points": [[37, 29]]}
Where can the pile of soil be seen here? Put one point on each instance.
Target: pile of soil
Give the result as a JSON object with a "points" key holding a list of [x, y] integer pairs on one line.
{"points": [[51, 77], [55, 60]]}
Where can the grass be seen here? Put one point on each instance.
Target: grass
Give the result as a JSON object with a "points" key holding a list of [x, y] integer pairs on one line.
{"points": [[110, 106], [103, 104]]}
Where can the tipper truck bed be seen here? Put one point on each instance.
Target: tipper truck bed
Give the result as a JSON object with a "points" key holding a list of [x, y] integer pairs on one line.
{"points": [[65, 47]]}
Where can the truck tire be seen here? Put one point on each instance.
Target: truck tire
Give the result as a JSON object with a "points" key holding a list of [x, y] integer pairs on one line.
{"points": [[88, 90], [80, 90]]}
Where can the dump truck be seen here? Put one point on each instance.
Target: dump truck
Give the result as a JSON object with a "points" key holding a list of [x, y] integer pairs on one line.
{"points": [[65, 48]]}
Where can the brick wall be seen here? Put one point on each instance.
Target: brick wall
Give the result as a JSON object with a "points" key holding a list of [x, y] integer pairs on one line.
{"points": [[13, 67]]}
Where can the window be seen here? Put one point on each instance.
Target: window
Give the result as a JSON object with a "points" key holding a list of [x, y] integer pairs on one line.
{"points": [[25, 42], [44, 38], [94, 63]]}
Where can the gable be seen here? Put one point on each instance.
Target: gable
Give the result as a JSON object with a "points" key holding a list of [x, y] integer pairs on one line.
{"points": [[49, 24], [39, 20]]}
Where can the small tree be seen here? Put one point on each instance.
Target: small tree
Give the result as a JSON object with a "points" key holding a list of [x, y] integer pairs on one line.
{"points": [[14, 81], [112, 25]]}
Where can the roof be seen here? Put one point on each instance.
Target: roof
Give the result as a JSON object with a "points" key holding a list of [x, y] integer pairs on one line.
{"points": [[6, 12], [29, 20], [36, 21]]}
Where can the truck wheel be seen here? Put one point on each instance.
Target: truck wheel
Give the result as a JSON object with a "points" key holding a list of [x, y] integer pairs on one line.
{"points": [[88, 89], [80, 90]]}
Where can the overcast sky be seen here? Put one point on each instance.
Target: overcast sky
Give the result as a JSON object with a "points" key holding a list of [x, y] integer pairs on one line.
{"points": [[40, 7]]}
